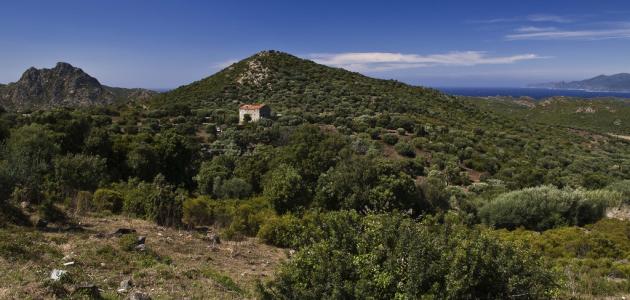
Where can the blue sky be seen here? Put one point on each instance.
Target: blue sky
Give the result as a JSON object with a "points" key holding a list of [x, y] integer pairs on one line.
{"points": [[164, 44]]}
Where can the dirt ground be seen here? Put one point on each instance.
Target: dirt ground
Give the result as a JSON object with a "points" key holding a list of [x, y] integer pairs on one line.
{"points": [[176, 264]]}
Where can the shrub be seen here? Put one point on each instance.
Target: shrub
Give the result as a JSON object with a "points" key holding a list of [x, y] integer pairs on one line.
{"points": [[405, 149], [546, 207], [128, 242], [234, 188], [238, 217], [83, 202], [197, 212], [157, 201], [390, 138], [50, 212], [284, 188], [282, 231], [393, 257], [79, 171], [622, 187], [110, 200]]}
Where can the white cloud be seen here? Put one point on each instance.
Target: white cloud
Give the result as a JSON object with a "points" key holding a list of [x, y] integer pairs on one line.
{"points": [[549, 18], [534, 29], [540, 18], [554, 34], [384, 61]]}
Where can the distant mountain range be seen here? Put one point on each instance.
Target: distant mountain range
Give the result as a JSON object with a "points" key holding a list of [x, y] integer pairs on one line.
{"points": [[613, 83], [63, 85]]}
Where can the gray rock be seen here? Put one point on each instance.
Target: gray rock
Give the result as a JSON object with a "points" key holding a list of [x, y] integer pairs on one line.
{"points": [[125, 285], [57, 274], [140, 247], [214, 238], [139, 296]]}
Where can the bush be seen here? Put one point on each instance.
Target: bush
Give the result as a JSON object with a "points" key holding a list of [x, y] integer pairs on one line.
{"points": [[79, 171], [405, 149], [234, 188], [393, 257], [110, 200], [157, 201], [622, 187], [283, 186], [50, 212], [83, 202], [546, 207], [390, 139], [237, 217], [283, 231]]}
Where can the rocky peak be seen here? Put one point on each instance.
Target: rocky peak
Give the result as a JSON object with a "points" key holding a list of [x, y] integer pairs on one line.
{"points": [[63, 85]]}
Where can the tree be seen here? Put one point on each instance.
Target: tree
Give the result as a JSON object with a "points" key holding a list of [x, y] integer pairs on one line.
{"points": [[284, 188], [29, 152], [143, 159], [76, 172], [176, 157], [219, 167]]}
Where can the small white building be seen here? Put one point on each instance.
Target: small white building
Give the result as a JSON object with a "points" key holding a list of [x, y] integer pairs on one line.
{"points": [[253, 112]]}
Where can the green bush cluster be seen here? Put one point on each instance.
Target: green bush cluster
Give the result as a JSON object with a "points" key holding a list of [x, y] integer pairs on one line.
{"points": [[393, 257], [546, 207]]}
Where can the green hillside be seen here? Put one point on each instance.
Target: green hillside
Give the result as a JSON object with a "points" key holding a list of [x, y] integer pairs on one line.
{"points": [[601, 115], [351, 185]]}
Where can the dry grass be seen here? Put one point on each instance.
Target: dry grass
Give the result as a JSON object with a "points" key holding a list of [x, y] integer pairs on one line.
{"points": [[177, 264]]}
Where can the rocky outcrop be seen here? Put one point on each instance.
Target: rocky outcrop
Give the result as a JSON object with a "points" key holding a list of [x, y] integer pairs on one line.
{"points": [[63, 85]]}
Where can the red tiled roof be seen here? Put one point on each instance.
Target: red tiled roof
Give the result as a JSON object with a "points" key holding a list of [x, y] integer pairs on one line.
{"points": [[252, 106]]}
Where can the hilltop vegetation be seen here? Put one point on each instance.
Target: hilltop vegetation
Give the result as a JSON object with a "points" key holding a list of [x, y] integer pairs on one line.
{"points": [[355, 174], [599, 115]]}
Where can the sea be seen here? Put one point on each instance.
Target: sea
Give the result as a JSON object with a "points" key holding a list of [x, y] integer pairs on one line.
{"points": [[536, 93]]}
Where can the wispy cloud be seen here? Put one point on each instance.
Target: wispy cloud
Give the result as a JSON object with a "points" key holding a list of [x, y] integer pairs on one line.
{"points": [[539, 18], [555, 34], [549, 18], [385, 61], [534, 29]]}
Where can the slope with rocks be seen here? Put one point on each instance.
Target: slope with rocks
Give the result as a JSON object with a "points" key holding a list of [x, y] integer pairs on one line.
{"points": [[63, 85]]}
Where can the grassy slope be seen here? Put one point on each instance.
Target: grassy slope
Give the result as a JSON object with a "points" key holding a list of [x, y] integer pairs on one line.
{"points": [[177, 264]]}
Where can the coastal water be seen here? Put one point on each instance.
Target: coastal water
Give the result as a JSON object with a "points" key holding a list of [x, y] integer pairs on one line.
{"points": [[536, 93]]}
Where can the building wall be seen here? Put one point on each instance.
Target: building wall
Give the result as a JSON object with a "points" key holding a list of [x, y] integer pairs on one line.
{"points": [[253, 113]]}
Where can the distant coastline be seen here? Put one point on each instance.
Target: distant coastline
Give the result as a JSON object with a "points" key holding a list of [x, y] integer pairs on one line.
{"points": [[533, 92]]}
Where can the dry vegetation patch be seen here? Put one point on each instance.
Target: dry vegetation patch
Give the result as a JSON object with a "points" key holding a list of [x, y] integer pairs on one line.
{"points": [[176, 264]]}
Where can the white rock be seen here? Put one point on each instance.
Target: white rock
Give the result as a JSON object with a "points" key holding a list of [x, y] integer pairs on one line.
{"points": [[56, 274]]}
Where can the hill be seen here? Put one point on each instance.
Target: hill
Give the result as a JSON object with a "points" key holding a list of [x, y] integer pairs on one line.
{"points": [[349, 174], [297, 86], [613, 83], [601, 115], [63, 85]]}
